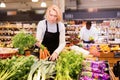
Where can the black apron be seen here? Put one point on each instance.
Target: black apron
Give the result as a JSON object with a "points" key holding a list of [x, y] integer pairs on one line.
{"points": [[51, 40]]}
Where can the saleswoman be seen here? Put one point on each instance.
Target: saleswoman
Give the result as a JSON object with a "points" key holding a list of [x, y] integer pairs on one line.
{"points": [[51, 32]]}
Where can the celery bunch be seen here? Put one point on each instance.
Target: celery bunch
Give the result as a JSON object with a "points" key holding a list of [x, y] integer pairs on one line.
{"points": [[16, 68], [68, 65]]}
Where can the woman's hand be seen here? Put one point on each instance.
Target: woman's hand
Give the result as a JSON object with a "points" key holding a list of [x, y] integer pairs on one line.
{"points": [[53, 57], [37, 44]]}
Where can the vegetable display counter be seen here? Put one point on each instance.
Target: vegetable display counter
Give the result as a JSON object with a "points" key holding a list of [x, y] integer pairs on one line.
{"points": [[105, 52], [109, 57]]}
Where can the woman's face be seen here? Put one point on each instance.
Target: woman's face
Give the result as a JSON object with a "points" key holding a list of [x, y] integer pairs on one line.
{"points": [[52, 16]]}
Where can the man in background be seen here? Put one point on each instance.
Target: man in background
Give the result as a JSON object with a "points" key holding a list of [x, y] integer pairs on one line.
{"points": [[89, 33]]}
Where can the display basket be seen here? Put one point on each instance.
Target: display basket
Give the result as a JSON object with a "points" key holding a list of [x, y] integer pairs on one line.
{"points": [[7, 52]]}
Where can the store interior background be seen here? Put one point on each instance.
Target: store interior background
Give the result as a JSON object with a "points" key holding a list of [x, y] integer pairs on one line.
{"points": [[26, 10], [25, 14], [69, 4]]}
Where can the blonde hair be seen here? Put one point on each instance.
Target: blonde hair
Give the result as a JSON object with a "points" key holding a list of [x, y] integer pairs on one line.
{"points": [[57, 10]]}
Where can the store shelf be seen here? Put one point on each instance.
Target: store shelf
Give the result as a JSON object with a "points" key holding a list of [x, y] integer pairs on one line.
{"points": [[72, 33], [8, 30]]}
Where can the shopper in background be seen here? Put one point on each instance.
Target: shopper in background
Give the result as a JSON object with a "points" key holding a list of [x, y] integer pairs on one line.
{"points": [[51, 32], [89, 34]]}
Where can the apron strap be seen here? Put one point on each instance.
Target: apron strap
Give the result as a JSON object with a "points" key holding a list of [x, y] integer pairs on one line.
{"points": [[57, 28], [47, 26]]}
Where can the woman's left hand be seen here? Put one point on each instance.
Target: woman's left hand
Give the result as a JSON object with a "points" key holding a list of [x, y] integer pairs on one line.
{"points": [[53, 57]]}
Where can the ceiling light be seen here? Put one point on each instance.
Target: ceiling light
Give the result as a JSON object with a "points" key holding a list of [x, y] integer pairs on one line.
{"points": [[34, 0], [2, 4], [43, 4]]}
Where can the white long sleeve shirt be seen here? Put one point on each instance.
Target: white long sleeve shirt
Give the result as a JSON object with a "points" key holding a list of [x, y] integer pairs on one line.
{"points": [[41, 28], [85, 34]]}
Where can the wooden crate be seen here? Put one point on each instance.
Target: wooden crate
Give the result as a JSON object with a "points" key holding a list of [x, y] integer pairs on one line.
{"points": [[108, 57], [112, 74]]}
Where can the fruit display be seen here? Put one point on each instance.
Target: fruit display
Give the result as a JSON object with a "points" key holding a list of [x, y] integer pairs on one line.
{"points": [[94, 50], [115, 47], [105, 48]]}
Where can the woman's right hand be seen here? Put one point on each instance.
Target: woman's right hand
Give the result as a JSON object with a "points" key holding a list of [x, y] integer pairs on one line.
{"points": [[53, 57], [38, 43]]}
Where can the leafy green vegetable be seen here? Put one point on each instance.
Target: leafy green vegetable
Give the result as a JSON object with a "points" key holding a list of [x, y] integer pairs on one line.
{"points": [[42, 70], [23, 41], [16, 68], [68, 65]]}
